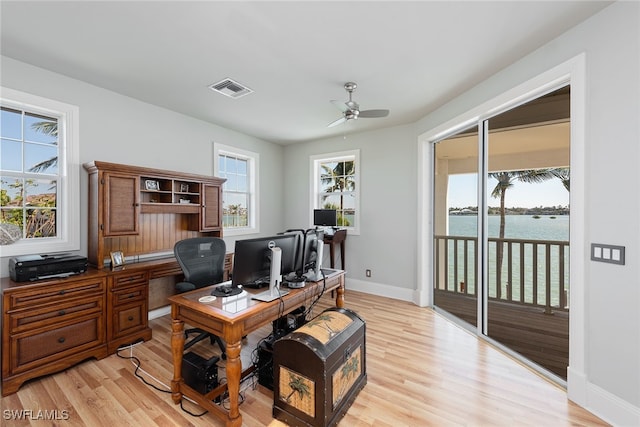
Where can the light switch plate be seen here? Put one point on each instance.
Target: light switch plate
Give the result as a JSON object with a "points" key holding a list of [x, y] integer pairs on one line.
{"points": [[607, 253]]}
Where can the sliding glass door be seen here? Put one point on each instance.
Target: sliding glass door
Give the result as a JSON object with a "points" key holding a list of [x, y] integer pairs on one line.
{"points": [[509, 247]]}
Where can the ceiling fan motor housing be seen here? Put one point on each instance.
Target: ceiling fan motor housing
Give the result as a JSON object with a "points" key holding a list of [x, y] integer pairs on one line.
{"points": [[350, 86]]}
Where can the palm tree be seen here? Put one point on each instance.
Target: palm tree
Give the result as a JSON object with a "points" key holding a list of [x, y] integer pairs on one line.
{"points": [[564, 175], [49, 128], [299, 385], [506, 180]]}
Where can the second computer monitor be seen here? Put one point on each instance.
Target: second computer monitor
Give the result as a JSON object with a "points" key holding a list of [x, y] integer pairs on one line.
{"points": [[325, 217], [252, 258]]}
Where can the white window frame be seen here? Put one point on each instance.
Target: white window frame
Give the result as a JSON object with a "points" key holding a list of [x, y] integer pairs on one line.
{"points": [[314, 202], [253, 161], [68, 199]]}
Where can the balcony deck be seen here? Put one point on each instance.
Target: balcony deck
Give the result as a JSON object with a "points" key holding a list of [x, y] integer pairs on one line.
{"points": [[541, 337]]}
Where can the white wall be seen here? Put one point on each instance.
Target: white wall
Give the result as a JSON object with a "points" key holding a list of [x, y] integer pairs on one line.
{"points": [[387, 240], [121, 129], [608, 382]]}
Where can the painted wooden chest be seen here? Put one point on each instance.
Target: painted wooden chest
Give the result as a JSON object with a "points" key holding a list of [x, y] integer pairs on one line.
{"points": [[319, 369]]}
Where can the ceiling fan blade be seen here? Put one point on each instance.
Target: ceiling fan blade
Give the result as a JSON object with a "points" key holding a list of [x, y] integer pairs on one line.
{"points": [[340, 105], [374, 113], [337, 122]]}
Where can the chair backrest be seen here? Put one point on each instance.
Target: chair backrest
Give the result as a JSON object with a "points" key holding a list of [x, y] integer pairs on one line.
{"points": [[201, 260]]}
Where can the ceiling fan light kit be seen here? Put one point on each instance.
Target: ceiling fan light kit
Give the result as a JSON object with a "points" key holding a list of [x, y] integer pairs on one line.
{"points": [[351, 109]]}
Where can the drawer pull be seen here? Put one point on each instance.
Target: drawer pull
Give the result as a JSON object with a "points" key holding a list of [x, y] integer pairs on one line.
{"points": [[61, 292], [130, 318], [62, 313], [61, 340], [131, 295]]}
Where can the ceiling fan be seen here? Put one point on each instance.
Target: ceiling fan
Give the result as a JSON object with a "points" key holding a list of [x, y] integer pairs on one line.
{"points": [[351, 109]]}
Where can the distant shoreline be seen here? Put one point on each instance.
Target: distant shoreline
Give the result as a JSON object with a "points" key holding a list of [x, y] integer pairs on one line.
{"points": [[548, 211]]}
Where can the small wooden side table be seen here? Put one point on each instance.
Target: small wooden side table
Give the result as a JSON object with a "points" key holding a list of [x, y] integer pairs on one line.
{"points": [[338, 238]]}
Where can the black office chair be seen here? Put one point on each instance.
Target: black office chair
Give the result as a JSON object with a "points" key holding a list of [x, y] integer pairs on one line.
{"points": [[202, 262]]}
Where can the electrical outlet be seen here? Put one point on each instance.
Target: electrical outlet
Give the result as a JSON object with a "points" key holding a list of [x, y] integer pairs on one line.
{"points": [[368, 273]]}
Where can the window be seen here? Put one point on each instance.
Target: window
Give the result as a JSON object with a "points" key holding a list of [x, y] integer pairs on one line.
{"points": [[336, 185], [39, 183], [239, 192]]}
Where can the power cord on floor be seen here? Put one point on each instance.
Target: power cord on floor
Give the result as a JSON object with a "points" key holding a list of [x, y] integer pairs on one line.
{"points": [[136, 362]]}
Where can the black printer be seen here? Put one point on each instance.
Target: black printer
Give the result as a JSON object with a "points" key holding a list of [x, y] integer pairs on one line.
{"points": [[35, 267]]}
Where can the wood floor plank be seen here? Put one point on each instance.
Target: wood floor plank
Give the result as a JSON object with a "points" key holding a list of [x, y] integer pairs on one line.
{"points": [[422, 370]]}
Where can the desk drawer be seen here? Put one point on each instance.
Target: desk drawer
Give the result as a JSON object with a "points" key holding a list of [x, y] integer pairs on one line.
{"points": [[128, 319], [125, 296], [50, 294], [129, 279], [55, 343], [170, 269], [47, 315]]}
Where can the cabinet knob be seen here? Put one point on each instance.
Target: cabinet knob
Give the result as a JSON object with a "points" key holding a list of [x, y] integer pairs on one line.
{"points": [[62, 313], [61, 292], [130, 318], [61, 340], [131, 295]]}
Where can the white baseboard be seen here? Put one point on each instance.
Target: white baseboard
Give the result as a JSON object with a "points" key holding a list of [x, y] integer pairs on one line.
{"points": [[611, 408], [159, 312], [379, 289]]}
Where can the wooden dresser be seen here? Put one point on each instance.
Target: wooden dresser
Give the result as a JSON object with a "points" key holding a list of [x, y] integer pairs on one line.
{"points": [[50, 325]]}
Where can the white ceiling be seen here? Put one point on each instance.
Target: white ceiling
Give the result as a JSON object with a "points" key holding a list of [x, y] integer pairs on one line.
{"points": [[409, 57]]}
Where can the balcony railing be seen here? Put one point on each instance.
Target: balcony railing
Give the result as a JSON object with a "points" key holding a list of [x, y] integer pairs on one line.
{"points": [[525, 272]]}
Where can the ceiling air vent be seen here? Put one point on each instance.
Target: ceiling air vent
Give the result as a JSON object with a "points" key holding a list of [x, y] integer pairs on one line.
{"points": [[230, 88]]}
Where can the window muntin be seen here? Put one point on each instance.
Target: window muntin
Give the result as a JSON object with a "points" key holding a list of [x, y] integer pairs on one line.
{"points": [[336, 186], [39, 183], [239, 192]]}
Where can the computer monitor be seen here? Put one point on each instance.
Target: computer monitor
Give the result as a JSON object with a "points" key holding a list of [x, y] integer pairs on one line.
{"points": [[325, 217], [252, 259], [313, 239]]}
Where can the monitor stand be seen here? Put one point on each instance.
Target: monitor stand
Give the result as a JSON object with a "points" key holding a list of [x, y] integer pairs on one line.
{"points": [[268, 296]]}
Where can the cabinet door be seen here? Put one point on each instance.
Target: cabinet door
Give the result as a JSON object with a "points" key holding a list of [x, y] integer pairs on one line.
{"points": [[211, 207], [121, 204]]}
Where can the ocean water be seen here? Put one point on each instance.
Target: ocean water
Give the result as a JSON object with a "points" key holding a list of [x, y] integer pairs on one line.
{"points": [[516, 226], [524, 227]]}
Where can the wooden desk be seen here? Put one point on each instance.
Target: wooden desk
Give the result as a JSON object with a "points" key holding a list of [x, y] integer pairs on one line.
{"points": [[232, 318]]}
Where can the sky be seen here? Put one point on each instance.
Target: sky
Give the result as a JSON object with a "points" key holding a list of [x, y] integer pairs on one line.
{"points": [[463, 193]]}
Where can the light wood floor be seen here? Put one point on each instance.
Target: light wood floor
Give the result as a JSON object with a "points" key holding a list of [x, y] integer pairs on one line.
{"points": [[422, 371]]}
